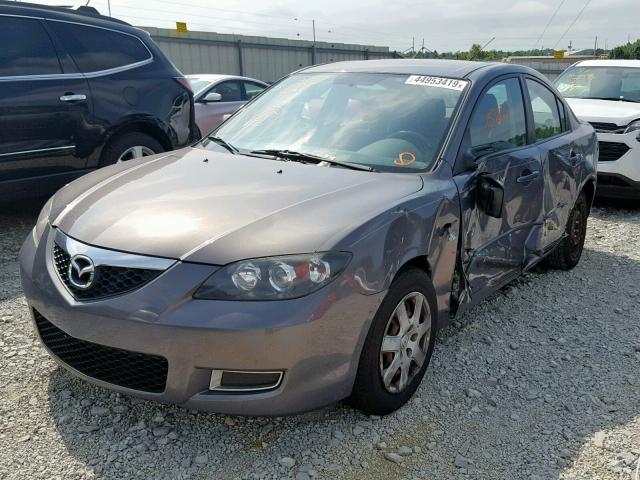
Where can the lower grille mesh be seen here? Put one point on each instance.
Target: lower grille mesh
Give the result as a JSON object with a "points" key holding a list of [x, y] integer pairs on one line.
{"points": [[138, 371], [612, 151]]}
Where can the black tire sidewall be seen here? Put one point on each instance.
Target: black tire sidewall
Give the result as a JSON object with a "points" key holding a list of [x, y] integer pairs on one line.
{"points": [[566, 256], [117, 145], [369, 393], [574, 254]]}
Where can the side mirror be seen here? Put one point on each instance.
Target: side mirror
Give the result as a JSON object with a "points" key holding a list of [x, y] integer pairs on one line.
{"points": [[489, 196], [469, 160], [212, 97]]}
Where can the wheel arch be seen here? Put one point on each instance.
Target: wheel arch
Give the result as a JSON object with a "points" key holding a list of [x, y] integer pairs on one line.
{"points": [[140, 126], [589, 188], [420, 261]]}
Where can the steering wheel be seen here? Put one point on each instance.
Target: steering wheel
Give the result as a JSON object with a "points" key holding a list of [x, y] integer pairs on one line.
{"points": [[418, 140]]}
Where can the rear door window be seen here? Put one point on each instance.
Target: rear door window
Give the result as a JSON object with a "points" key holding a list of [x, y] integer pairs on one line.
{"points": [[94, 49], [25, 48], [546, 116], [230, 91], [252, 89]]}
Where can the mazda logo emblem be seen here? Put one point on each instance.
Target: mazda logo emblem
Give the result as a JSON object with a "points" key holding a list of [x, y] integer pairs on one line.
{"points": [[81, 272]]}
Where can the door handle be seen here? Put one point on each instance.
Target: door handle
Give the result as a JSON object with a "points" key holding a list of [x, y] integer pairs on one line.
{"points": [[528, 176], [71, 97]]}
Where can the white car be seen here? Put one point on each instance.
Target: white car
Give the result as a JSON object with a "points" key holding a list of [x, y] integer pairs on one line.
{"points": [[217, 97], [606, 93]]}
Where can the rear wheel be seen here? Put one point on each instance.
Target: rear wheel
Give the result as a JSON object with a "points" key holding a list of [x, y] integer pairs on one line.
{"points": [[567, 253], [129, 146], [398, 347]]}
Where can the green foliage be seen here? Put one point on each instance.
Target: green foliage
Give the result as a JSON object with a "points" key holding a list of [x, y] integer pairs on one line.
{"points": [[476, 53], [628, 51]]}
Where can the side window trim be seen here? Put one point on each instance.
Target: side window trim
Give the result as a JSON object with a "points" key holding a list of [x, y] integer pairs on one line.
{"points": [[565, 131], [76, 75], [109, 71], [531, 125]]}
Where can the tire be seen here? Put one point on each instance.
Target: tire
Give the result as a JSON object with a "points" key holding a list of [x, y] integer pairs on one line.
{"points": [[117, 148], [370, 393], [567, 253]]}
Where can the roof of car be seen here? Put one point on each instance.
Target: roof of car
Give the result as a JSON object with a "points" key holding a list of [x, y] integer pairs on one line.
{"points": [[610, 63], [80, 14], [444, 68]]}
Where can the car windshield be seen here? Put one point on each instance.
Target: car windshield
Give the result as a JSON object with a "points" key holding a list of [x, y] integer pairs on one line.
{"points": [[384, 121], [608, 83], [198, 84]]}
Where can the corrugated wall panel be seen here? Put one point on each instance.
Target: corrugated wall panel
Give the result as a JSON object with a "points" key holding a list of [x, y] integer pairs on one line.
{"points": [[264, 58]]}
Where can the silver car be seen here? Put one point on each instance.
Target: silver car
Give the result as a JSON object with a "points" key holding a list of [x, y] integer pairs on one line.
{"points": [[309, 249], [217, 97]]}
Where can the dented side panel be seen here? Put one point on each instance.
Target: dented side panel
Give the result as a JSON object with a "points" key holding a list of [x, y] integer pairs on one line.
{"points": [[424, 226], [493, 250]]}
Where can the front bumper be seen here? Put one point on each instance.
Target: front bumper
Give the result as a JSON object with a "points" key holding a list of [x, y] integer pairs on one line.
{"points": [[619, 175], [316, 340]]}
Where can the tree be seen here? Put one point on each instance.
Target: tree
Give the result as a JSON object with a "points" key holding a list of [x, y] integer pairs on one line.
{"points": [[475, 52], [629, 51]]}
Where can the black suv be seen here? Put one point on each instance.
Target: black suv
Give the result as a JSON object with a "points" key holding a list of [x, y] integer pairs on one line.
{"points": [[79, 91]]}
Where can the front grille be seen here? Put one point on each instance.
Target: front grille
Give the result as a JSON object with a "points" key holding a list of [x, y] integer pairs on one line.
{"points": [[108, 280], [607, 127], [138, 371], [612, 151]]}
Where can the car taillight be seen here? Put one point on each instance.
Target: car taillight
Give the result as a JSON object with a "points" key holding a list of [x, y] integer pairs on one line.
{"points": [[185, 83]]}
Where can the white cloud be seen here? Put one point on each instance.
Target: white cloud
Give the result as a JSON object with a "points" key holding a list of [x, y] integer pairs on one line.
{"points": [[444, 24]]}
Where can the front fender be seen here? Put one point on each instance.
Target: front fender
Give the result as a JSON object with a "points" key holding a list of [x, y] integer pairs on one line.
{"points": [[424, 226]]}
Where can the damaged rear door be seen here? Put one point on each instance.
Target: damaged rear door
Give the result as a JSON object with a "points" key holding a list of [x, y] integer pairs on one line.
{"points": [[501, 190]]}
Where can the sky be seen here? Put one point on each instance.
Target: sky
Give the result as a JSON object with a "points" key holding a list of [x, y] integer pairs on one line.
{"points": [[445, 25]]}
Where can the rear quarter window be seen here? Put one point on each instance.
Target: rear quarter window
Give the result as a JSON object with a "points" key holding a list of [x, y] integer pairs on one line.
{"points": [[94, 49]]}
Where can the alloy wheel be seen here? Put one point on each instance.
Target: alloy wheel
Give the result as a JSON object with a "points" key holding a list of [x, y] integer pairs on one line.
{"points": [[137, 151], [405, 343]]}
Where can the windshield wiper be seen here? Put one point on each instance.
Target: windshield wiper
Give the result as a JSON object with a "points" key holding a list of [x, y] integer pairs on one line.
{"points": [[309, 157], [615, 99], [223, 143]]}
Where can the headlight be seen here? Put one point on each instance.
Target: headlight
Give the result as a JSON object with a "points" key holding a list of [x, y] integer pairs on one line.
{"points": [[43, 220], [274, 278], [633, 126]]}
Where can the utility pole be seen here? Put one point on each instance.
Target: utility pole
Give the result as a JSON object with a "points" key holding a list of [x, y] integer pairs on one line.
{"points": [[486, 44], [313, 47], [109, 6], [595, 48]]}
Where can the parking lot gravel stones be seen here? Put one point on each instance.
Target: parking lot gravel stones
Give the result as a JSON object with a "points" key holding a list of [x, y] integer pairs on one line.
{"points": [[542, 381]]}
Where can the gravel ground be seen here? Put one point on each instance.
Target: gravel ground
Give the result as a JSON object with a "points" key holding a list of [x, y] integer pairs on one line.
{"points": [[541, 381]]}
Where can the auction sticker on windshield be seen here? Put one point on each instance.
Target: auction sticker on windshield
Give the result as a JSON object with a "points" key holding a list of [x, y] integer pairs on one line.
{"points": [[440, 82]]}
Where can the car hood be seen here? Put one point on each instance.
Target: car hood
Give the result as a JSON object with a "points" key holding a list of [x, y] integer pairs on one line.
{"points": [[210, 207], [605, 111]]}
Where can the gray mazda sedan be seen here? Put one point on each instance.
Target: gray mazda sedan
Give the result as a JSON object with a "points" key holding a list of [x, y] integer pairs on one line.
{"points": [[309, 249]]}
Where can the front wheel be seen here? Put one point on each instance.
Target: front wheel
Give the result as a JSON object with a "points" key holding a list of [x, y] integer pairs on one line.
{"points": [[567, 253], [398, 347]]}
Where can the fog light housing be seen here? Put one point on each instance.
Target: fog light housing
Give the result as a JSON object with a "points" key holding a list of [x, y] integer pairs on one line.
{"points": [[244, 380]]}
